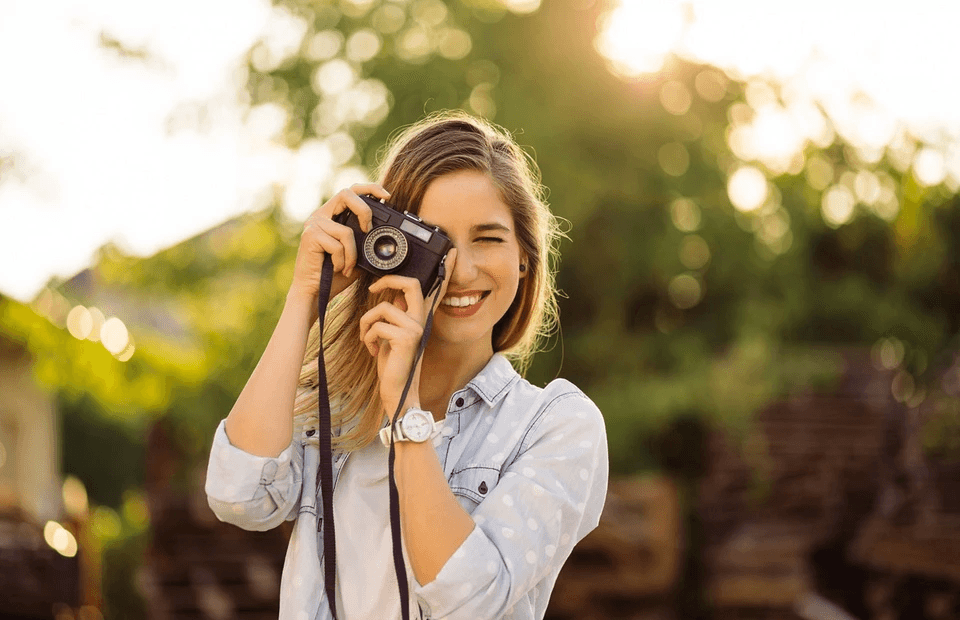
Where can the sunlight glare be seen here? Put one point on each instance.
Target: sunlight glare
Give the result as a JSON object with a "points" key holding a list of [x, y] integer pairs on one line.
{"points": [[637, 35]]}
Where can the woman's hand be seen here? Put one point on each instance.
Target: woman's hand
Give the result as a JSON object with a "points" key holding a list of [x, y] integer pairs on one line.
{"points": [[322, 237], [391, 331]]}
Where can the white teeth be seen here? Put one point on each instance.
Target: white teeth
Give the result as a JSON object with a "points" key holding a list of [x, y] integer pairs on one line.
{"points": [[460, 302]]}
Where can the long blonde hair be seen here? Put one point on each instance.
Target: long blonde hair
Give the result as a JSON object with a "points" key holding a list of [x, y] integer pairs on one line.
{"points": [[440, 144]]}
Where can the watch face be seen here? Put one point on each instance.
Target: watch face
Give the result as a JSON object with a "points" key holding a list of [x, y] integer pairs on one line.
{"points": [[417, 425]]}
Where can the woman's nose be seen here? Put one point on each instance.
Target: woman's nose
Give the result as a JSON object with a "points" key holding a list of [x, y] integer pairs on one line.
{"points": [[465, 269]]}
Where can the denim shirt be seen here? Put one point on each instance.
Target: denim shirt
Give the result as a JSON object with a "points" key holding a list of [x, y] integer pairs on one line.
{"points": [[529, 464]]}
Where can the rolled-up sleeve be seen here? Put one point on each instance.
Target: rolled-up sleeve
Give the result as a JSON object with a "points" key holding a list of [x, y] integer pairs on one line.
{"points": [[253, 492], [546, 501]]}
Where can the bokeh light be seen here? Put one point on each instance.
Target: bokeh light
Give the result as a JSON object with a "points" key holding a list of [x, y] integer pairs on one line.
{"points": [[325, 45], [685, 214], [694, 252], [837, 205], [79, 322], [747, 188], [675, 97], [114, 336], [75, 500], [685, 291], [363, 45], [60, 539]]}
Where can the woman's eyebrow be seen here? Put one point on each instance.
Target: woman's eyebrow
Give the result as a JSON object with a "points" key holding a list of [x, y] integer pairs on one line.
{"points": [[479, 228]]}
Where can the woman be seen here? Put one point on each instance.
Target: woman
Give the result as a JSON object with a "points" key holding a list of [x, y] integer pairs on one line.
{"points": [[493, 500]]}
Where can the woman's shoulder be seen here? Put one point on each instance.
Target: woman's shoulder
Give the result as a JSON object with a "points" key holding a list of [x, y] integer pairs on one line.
{"points": [[558, 403]]}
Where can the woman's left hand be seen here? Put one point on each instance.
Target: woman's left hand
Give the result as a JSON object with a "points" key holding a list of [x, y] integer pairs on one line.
{"points": [[392, 330]]}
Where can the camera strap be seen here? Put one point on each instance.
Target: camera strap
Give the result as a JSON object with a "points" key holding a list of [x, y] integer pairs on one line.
{"points": [[326, 453]]}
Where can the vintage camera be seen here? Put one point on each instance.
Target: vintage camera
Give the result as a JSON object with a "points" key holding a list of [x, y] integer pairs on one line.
{"points": [[399, 243]]}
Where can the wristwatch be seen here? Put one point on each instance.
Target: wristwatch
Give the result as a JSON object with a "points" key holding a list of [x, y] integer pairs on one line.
{"points": [[414, 425]]}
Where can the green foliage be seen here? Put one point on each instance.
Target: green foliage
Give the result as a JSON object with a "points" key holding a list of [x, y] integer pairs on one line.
{"points": [[675, 303]]}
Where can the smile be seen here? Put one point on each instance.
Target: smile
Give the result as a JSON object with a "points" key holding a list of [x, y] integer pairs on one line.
{"points": [[463, 302]]}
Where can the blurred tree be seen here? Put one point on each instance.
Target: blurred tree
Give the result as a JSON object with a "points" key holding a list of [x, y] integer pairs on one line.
{"points": [[678, 299]]}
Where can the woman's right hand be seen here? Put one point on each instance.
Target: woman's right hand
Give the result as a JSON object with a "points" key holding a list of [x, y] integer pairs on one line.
{"points": [[322, 237]]}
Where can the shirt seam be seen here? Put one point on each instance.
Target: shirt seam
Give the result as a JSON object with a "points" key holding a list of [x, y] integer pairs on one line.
{"points": [[538, 419]]}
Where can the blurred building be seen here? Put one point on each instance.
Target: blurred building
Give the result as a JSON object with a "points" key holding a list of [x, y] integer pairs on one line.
{"points": [[39, 564]]}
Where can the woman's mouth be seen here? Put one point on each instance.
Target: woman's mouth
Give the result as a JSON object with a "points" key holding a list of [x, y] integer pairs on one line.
{"points": [[463, 305]]}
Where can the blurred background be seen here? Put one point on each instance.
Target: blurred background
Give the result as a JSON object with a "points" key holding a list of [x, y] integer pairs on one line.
{"points": [[761, 282]]}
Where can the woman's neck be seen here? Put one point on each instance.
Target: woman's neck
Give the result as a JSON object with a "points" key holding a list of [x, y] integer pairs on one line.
{"points": [[445, 370]]}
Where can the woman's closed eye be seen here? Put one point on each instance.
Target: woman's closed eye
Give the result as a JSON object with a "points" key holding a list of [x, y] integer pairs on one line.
{"points": [[491, 239]]}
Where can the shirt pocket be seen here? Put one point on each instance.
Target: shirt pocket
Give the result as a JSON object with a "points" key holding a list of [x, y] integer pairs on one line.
{"points": [[473, 484]]}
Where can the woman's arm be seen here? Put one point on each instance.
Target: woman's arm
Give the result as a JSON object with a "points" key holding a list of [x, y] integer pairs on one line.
{"points": [[433, 521], [261, 421]]}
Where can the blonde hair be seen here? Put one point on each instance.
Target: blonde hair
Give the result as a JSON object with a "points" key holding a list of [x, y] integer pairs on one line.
{"points": [[440, 144]]}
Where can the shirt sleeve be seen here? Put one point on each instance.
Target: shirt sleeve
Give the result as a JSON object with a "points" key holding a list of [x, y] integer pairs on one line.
{"points": [[253, 492], [546, 501]]}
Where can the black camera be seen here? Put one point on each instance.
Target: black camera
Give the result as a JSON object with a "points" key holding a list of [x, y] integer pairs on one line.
{"points": [[399, 243]]}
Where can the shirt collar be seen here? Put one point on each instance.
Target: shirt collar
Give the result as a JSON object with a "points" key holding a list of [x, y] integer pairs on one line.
{"points": [[492, 382]]}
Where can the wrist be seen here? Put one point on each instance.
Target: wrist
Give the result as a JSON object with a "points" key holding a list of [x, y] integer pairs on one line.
{"points": [[390, 405], [302, 304]]}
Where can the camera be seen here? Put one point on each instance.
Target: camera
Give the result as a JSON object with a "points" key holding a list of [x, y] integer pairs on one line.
{"points": [[398, 243]]}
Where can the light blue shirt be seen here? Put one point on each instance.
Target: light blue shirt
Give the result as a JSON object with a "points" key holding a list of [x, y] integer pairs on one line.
{"points": [[529, 464]]}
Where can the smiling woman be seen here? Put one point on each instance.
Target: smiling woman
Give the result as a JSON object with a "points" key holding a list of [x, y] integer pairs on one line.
{"points": [[496, 479]]}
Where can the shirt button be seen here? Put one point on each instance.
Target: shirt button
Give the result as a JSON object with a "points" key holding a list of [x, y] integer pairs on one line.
{"points": [[459, 402]]}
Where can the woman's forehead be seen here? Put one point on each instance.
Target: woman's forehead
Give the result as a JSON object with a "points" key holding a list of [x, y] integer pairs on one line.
{"points": [[465, 200]]}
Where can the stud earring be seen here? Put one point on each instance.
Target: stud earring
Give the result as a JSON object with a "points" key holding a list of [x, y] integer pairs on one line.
{"points": [[522, 268]]}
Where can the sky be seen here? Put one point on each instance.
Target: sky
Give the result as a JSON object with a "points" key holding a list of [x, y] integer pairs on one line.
{"points": [[96, 160]]}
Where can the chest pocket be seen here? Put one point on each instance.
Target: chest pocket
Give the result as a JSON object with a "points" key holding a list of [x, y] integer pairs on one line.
{"points": [[473, 484]]}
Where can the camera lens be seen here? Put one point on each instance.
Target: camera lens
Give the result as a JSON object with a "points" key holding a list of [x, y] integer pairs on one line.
{"points": [[385, 248]]}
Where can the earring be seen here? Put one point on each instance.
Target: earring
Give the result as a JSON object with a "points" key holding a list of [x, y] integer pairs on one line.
{"points": [[522, 267]]}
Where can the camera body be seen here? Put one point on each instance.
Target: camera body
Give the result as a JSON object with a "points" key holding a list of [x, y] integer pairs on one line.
{"points": [[398, 243]]}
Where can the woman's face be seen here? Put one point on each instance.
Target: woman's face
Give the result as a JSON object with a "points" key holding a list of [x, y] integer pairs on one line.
{"points": [[486, 275]]}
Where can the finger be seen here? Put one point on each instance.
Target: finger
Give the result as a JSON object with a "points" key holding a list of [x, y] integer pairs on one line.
{"points": [[344, 234], [410, 287], [319, 239], [347, 199], [374, 189], [395, 336], [386, 312]]}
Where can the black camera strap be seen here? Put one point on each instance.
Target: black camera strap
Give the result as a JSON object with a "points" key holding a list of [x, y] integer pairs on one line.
{"points": [[326, 453]]}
